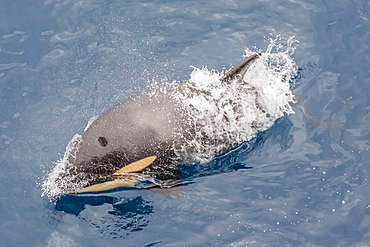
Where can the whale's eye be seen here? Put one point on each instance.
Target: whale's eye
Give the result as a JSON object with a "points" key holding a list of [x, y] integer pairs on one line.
{"points": [[102, 141]]}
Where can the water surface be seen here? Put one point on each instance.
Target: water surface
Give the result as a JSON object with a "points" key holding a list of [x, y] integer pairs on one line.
{"points": [[301, 183]]}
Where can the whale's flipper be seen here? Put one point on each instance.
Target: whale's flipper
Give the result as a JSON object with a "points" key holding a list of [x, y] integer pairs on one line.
{"points": [[128, 181], [125, 179], [240, 69], [136, 166]]}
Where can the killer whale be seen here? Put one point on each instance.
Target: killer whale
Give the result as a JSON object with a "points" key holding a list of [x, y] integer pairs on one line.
{"points": [[147, 136]]}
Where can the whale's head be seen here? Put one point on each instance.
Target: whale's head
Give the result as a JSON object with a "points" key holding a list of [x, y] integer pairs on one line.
{"points": [[91, 164], [129, 132]]}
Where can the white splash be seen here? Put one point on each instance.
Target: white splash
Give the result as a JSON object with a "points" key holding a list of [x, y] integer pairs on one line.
{"points": [[91, 120], [224, 114], [57, 182]]}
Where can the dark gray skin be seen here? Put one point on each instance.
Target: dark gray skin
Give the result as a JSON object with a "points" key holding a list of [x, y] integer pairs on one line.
{"points": [[150, 124]]}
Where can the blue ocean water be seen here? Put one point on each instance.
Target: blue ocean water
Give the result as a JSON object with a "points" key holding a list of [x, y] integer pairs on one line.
{"points": [[301, 183]]}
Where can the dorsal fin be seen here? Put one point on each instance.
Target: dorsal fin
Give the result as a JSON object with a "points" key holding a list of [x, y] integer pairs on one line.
{"points": [[136, 166], [240, 69]]}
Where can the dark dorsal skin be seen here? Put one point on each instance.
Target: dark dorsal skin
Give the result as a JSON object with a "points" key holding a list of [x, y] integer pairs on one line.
{"points": [[150, 124]]}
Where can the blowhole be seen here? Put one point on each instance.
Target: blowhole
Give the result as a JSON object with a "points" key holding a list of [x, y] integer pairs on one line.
{"points": [[102, 141]]}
